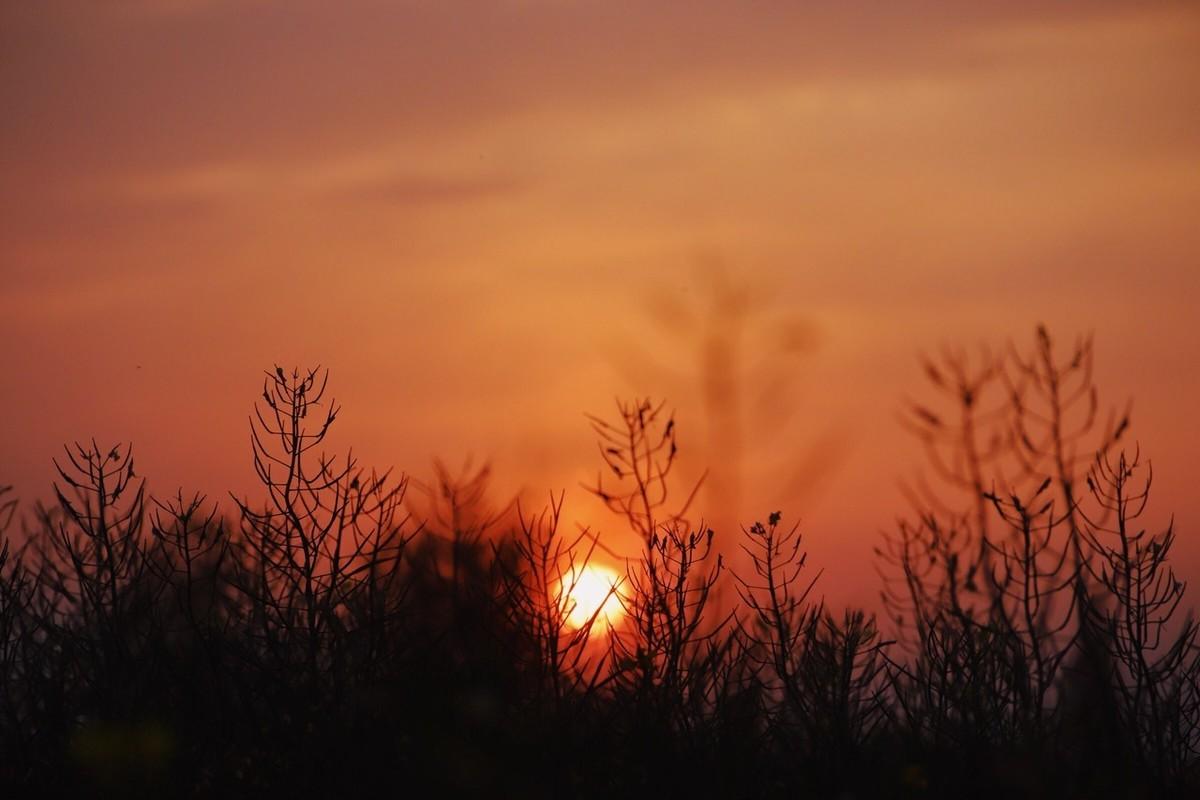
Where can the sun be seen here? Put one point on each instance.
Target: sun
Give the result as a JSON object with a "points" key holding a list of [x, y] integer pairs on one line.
{"points": [[592, 591]]}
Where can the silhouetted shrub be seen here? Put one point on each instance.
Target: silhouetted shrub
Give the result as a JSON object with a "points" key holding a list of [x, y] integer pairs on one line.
{"points": [[337, 634]]}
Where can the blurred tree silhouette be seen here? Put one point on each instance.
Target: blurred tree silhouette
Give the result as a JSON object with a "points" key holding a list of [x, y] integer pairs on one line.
{"points": [[742, 352]]}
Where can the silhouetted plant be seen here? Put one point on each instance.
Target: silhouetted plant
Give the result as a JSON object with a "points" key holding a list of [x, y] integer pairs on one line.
{"points": [[1153, 665], [841, 674], [1056, 414], [997, 615], [8, 509], [666, 600], [191, 550], [1033, 588], [18, 642], [538, 586], [95, 551], [823, 678], [640, 450], [450, 560], [1013, 421], [91, 564], [669, 658], [457, 513], [316, 568], [779, 614], [665, 652], [965, 441], [153, 647]]}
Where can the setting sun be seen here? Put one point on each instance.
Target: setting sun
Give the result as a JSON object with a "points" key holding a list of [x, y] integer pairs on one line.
{"points": [[594, 589], [621, 399]]}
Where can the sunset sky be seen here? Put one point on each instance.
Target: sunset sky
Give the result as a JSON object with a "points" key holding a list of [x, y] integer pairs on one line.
{"points": [[489, 218]]}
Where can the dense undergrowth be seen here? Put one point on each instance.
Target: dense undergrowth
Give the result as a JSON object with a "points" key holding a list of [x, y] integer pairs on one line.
{"points": [[327, 639]]}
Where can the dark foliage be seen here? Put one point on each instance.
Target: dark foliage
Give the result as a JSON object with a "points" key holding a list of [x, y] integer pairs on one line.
{"points": [[338, 636]]}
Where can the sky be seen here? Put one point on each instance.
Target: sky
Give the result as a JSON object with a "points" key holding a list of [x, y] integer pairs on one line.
{"points": [[487, 219]]}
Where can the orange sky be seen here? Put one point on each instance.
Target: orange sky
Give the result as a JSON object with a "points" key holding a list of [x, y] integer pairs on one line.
{"points": [[488, 218]]}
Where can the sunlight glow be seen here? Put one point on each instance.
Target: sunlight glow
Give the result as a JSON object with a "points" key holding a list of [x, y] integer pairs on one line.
{"points": [[593, 589]]}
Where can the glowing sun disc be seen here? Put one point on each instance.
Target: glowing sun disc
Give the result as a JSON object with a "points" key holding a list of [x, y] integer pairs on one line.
{"points": [[593, 589]]}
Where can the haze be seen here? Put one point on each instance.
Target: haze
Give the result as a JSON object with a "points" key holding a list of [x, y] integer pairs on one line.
{"points": [[487, 219]]}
